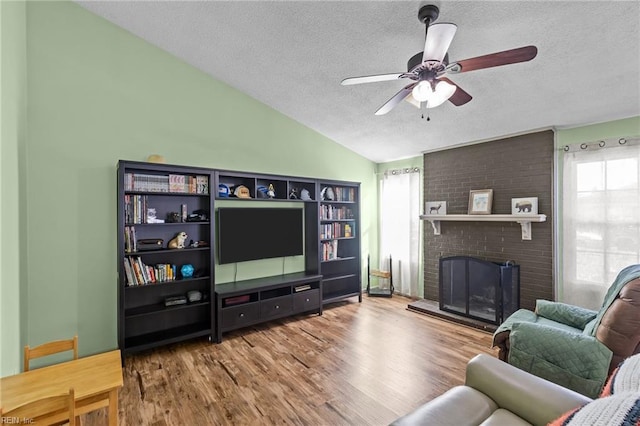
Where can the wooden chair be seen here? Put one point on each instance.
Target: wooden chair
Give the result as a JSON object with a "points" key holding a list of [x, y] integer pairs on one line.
{"points": [[45, 411], [50, 348]]}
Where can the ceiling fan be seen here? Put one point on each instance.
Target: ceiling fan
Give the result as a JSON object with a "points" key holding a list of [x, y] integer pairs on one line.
{"points": [[427, 69]]}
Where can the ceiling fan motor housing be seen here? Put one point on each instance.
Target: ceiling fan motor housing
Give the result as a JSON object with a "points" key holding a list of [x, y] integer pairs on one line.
{"points": [[428, 12], [416, 60]]}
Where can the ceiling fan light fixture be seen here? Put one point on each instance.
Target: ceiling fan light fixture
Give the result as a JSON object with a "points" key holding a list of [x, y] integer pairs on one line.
{"points": [[424, 92]]}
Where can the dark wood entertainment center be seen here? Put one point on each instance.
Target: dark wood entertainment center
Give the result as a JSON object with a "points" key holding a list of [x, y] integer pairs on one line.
{"points": [[185, 199]]}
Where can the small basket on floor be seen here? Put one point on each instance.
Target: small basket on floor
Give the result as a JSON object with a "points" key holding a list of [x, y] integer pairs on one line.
{"points": [[379, 276]]}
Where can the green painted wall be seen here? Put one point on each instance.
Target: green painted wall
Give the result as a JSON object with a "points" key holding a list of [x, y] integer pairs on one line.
{"points": [[593, 132], [97, 94], [613, 129], [13, 134]]}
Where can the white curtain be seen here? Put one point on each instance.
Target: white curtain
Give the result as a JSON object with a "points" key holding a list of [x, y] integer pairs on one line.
{"points": [[400, 228], [601, 218]]}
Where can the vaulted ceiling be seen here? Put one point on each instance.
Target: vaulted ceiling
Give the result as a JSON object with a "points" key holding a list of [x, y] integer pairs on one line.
{"points": [[292, 55]]}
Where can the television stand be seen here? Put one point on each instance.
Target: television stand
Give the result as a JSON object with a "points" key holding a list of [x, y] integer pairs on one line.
{"points": [[249, 302]]}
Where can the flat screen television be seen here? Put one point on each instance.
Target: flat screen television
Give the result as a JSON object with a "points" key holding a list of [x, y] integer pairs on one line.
{"points": [[259, 233]]}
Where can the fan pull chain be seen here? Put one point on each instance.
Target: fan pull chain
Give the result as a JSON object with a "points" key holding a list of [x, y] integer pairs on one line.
{"points": [[421, 106]]}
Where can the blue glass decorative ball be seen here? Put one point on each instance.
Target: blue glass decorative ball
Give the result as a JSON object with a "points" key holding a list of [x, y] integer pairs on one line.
{"points": [[187, 270]]}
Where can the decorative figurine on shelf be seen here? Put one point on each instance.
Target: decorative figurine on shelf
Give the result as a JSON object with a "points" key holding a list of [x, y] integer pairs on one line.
{"points": [[177, 242], [293, 193], [271, 193], [187, 270], [156, 158], [173, 217], [327, 194], [305, 195]]}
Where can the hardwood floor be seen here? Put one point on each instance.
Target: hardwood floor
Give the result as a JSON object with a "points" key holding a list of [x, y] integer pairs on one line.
{"points": [[358, 364]]}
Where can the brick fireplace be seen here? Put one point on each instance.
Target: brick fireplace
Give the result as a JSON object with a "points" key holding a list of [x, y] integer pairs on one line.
{"points": [[515, 167]]}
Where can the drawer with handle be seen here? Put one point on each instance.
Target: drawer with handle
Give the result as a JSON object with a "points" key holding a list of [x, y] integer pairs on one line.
{"points": [[275, 307], [239, 316]]}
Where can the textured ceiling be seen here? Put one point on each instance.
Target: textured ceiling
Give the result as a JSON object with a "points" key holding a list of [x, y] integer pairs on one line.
{"points": [[292, 55]]}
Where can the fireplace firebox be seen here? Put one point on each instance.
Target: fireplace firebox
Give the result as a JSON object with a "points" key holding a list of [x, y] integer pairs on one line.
{"points": [[476, 288]]}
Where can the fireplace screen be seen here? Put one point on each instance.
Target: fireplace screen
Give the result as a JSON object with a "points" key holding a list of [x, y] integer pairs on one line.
{"points": [[479, 289]]}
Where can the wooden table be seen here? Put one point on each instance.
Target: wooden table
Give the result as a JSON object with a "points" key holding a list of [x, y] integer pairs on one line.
{"points": [[95, 379]]}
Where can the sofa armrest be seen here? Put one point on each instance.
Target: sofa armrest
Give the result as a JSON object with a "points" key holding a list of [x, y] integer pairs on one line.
{"points": [[574, 316], [536, 400]]}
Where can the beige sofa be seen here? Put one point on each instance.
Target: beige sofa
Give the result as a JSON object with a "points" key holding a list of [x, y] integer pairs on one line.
{"points": [[496, 394]]}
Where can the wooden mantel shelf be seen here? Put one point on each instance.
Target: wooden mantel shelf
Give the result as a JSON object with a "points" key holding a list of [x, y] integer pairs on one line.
{"points": [[524, 220]]}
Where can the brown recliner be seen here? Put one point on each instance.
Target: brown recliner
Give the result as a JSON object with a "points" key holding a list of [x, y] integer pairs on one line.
{"points": [[573, 346], [619, 329]]}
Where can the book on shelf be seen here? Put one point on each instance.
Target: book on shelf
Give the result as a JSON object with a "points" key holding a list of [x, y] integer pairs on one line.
{"points": [[176, 183], [202, 185], [330, 250], [130, 239]]}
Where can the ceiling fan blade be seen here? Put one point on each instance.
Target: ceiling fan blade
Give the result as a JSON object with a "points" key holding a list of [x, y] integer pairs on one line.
{"points": [[370, 79], [459, 97], [439, 37], [506, 57], [396, 99]]}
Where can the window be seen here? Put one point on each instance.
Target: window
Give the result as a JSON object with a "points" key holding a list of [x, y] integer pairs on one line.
{"points": [[400, 228], [601, 219]]}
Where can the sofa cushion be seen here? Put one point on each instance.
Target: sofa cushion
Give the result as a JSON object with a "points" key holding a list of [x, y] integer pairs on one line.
{"points": [[461, 405], [615, 410], [575, 361], [625, 378]]}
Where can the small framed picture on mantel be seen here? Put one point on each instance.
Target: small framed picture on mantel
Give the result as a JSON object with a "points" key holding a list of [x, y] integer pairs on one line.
{"points": [[435, 208], [480, 201], [527, 205]]}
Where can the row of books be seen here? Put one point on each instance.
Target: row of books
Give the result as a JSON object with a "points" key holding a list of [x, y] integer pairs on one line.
{"points": [[130, 239], [135, 208], [166, 183], [330, 250], [140, 274], [344, 194], [328, 212], [336, 230]]}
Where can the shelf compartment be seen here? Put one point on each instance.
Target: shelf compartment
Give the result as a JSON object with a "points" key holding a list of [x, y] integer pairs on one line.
{"points": [[160, 309], [239, 300], [165, 337]]}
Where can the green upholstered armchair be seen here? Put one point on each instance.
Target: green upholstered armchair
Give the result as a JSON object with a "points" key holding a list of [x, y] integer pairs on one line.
{"points": [[572, 346]]}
